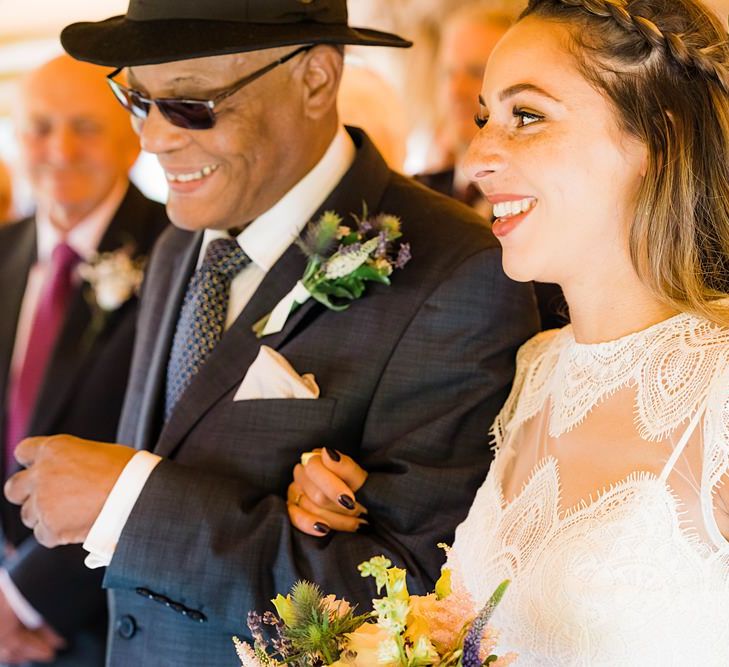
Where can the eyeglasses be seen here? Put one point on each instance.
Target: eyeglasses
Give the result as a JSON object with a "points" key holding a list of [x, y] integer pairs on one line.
{"points": [[188, 114]]}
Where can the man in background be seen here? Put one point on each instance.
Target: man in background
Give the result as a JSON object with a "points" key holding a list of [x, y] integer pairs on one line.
{"points": [[468, 37], [65, 348], [6, 194]]}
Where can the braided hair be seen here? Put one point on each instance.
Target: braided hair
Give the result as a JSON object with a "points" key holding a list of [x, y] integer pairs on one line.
{"points": [[664, 66]]}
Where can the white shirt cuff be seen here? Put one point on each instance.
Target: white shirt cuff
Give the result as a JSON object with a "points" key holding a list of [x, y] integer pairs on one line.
{"points": [[28, 616], [104, 534]]}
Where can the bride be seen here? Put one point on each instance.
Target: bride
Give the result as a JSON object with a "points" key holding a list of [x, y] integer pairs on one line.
{"points": [[604, 147]]}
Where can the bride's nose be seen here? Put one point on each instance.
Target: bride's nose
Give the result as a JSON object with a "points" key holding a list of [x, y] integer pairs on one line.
{"points": [[484, 156]]}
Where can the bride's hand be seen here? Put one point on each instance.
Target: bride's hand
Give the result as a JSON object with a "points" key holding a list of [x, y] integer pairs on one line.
{"points": [[322, 496]]}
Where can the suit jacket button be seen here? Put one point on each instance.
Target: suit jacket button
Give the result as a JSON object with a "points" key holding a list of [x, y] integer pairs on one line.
{"points": [[126, 627]]}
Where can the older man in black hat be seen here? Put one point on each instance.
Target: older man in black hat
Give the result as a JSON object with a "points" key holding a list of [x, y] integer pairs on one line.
{"points": [[238, 101]]}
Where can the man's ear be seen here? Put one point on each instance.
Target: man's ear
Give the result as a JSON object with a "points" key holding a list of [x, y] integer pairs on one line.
{"points": [[322, 72]]}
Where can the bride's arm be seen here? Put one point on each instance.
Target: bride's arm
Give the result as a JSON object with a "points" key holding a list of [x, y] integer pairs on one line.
{"points": [[322, 496]]}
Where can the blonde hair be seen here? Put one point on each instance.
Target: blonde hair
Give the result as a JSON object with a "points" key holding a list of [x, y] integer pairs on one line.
{"points": [[664, 65]]}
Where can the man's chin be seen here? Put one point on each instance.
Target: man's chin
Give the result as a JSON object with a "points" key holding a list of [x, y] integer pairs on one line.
{"points": [[189, 223]]}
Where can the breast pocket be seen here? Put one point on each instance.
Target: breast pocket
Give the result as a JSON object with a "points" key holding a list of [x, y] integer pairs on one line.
{"points": [[282, 415]]}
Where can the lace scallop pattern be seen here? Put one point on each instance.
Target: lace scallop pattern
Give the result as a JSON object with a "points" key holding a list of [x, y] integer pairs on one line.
{"points": [[672, 365], [623, 578], [617, 581]]}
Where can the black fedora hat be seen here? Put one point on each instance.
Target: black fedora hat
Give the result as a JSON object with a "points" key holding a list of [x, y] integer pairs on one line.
{"points": [[157, 31]]}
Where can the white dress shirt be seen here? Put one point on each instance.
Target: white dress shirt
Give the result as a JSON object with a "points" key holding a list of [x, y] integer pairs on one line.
{"points": [[265, 240], [84, 238]]}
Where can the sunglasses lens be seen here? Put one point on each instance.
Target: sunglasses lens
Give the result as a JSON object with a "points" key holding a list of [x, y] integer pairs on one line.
{"points": [[130, 100], [186, 114]]}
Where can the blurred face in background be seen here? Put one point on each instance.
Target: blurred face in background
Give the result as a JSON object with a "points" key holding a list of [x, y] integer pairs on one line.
{"points": [[466, 44], [6, 194], [76, 141]]}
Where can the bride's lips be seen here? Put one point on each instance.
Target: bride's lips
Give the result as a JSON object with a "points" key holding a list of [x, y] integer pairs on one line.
{"points": [[509, 211]]}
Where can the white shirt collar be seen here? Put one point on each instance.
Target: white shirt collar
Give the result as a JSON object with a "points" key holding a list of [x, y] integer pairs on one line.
{"points": [[85, 237], [268, 237]]}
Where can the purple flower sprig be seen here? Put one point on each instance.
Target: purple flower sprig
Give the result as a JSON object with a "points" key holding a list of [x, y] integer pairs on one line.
{"points": [[472, 643]]}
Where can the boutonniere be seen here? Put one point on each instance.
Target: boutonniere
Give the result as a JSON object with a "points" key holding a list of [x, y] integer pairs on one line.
{"points": [[112, 279], [342, 259]]}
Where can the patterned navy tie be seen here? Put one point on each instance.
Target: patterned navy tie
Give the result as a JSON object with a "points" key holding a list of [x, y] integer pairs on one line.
{"points": [[202, 318]]}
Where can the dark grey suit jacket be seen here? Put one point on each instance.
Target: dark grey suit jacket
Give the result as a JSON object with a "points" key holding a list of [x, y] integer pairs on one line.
{"points": [[553, 311], [411, 376], [82, 394]]}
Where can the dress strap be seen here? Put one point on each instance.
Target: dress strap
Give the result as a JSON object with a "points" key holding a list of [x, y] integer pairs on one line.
{"points": [[678, 449]]}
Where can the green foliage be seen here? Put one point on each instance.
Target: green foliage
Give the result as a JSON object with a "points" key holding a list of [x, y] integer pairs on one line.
{"points": [[315, 629]]}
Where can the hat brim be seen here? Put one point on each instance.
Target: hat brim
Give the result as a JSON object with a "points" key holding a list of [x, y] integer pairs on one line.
{"points": [[120, 42]]}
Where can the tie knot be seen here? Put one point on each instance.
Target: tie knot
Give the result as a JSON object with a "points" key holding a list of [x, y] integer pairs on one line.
{"points": [[225, 257], [64, 257]]}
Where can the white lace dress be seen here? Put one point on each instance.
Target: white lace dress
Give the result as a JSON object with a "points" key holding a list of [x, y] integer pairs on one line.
{"points": [[605, 504]]}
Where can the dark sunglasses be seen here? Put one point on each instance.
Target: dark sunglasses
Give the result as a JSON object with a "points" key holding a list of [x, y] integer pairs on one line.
{"points": [[188, 114]]}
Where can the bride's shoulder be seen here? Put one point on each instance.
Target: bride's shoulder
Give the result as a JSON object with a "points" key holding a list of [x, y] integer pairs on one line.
{"points": [[543, 344], [700, 336]]}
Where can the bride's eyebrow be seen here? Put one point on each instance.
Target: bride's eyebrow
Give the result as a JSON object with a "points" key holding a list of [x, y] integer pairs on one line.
{"points": [[525, 87], [520, 88]]}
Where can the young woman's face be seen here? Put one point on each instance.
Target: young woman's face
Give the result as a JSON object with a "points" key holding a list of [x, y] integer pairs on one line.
{"points": [[551, 158]]}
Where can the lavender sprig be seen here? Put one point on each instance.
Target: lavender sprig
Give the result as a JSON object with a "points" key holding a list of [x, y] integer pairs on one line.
{"points": [[472, 643]]}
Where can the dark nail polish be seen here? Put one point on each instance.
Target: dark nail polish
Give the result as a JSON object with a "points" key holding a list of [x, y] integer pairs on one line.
{"points": [[334, 455], [321, 528], [346, 501]]}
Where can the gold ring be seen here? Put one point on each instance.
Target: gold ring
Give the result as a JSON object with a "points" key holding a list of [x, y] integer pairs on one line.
{"points": [[298, 499]]}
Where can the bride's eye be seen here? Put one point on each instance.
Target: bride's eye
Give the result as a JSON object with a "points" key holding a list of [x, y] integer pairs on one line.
{"points": [[480, 120], [525, 117]]}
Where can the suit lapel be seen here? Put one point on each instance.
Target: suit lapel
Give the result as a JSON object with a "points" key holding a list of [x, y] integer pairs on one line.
{"points": [[75, 345], [364, 183], [18, 256]]}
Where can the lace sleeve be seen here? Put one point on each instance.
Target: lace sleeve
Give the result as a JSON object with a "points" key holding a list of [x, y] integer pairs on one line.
{"points": [[528, 365], [716, 453]]}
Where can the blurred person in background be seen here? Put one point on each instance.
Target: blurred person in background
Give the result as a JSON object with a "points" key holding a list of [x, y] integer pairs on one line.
{"points": [[468, 37], [6, 194], [367, 100], [65, 346]]}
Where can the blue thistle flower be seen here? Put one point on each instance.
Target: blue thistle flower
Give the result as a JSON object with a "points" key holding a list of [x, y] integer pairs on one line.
{"points": [[472, 643]]}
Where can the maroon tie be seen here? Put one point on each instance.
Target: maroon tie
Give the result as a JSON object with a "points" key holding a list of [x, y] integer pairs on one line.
{"points": [[47, 323]]}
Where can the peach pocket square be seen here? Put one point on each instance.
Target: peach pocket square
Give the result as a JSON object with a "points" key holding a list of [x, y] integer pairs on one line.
{"points": [[271, 376]]}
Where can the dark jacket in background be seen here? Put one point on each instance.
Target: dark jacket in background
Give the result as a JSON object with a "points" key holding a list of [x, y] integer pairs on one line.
{"points": [[82, 394], [552, 305]]}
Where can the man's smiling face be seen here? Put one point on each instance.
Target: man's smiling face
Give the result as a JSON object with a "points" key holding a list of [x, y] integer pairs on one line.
{"points": [[228, 175]]}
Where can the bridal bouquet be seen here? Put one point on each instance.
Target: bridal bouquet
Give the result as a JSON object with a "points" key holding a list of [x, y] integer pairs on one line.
{"points": [[312, 630]]}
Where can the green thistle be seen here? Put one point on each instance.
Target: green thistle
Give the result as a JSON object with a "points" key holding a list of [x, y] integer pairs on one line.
{"points": [[320, 236], [313, 630]]}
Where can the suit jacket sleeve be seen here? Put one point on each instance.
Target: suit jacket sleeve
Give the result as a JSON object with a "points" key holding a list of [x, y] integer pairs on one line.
{"points": [[70, 598], [425, 443]]}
